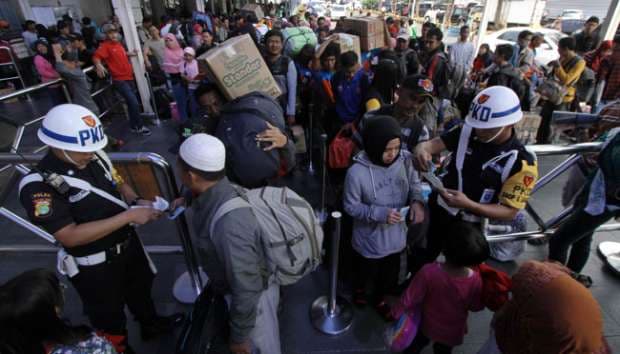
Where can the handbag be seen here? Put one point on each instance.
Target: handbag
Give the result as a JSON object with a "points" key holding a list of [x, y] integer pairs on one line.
{"points": [[399, 335], [341, 148]]}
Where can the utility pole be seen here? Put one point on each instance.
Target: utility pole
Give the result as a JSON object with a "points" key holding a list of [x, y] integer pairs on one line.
{"points": [[609, 27], [500, 14], [123, 9]]}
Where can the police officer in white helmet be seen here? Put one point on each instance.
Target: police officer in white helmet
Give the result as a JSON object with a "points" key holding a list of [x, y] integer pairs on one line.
{"points": [[490, 173], [75, 194]]}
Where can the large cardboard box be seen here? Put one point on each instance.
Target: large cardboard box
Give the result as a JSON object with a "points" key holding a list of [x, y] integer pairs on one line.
{"points": [[346, 42], [369, 43], [369, 29], [254, 9], [238, 68], [363, 26]]}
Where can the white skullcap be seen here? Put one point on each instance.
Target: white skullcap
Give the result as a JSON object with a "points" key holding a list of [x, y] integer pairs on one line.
{"points": [[203, 152]]}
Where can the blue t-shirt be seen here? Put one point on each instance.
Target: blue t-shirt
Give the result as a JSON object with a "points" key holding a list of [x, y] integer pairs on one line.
{"points": [[349, 95]]}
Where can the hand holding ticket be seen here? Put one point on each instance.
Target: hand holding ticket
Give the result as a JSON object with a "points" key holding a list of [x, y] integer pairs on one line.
{"points": [[433, 179]]}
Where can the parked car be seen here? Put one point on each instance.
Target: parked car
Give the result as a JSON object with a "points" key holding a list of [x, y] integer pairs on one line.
{"points": [[424, 7], [546, 53], [338, 11], [572, 14], [459, 15], [570, 26]]}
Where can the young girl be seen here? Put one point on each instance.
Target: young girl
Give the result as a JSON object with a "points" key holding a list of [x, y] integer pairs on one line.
{"points": [[446, 292], [44, 63], [189, 73], [379, 189], [30, 319], [173, 61]]}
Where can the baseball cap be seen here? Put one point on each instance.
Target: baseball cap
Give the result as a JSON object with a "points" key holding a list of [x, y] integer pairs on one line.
{"points": [[189, 50], [419, 84], [203, 152]]}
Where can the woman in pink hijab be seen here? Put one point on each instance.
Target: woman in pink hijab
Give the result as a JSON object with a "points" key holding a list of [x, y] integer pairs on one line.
{"points": [[173, 59]]}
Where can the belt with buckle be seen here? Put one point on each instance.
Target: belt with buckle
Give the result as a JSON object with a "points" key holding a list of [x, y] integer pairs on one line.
{"points": [[101, 257]]}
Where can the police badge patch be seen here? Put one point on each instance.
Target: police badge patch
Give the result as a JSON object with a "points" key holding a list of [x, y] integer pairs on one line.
{"points": [[42, 203]]}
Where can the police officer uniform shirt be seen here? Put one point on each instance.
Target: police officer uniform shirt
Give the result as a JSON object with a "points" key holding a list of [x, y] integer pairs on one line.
{"points": [[482, 176], [49, 209]]}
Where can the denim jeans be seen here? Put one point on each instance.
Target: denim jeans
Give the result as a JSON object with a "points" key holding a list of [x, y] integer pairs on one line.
{"points": [[193, 105], [127, 90]]}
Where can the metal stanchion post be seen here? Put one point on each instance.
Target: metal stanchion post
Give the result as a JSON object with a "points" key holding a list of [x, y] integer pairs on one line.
{"points": [[157, 121], [332, 314], [65, 91], [322, 214], [310, 138]]}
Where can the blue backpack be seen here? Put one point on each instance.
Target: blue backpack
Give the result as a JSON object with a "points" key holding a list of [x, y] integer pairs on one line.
{"points": [[247, 164]]}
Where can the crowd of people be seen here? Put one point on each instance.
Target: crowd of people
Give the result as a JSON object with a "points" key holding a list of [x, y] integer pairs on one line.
{"points": [[391, 117]]}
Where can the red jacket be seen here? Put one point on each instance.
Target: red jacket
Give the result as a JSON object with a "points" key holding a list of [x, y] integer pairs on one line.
{"points": [[115, 57]]}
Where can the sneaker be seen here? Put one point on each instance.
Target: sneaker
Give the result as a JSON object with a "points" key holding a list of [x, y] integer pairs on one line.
{"points": [[144, 131]]}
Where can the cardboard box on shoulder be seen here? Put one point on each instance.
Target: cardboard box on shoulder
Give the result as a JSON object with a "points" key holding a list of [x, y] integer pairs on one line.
{"points": [[254, 9], [369, 29], [346, 42], [363, 26], [238, 68]]}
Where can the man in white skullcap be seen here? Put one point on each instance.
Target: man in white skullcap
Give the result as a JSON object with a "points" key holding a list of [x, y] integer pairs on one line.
{"points": [[232, 254]]}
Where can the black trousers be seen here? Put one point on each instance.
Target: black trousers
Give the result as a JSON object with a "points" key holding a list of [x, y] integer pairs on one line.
{"points": [[421, 341], [440, 220], [377, 276], [106, 288], [544, 130], [576, 234]]}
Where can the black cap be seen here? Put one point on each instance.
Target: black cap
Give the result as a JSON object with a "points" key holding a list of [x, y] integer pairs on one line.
{"points": [[419, 84]]}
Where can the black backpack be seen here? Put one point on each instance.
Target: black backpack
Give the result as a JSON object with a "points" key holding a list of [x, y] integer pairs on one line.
{"points": [[241, 120], [206, 329]]}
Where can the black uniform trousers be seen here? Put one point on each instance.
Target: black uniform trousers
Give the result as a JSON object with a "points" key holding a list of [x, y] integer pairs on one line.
{"points": [[438, 232], [122, 279]]}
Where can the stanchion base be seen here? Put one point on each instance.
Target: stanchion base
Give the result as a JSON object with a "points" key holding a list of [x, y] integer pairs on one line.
{"points": [[610, 252], [183, 289], [332, 324]]}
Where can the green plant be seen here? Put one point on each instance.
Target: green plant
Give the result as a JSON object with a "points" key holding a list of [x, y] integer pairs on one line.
{"points": [[370, 4]]}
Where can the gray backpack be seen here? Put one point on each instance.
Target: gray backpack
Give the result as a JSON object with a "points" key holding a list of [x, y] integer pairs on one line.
{"points": [[291, 234]]}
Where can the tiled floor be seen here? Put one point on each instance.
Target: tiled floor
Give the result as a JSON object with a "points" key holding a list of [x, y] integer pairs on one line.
{"points": [[297, 334]]}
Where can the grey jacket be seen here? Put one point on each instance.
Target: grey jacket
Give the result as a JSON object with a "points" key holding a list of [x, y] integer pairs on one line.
{"points": [[78, 85], [370, 191], [233, 257]]}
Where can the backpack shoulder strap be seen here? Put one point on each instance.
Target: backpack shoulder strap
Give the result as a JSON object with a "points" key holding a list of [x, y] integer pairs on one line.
{"points": [[235, 203]]}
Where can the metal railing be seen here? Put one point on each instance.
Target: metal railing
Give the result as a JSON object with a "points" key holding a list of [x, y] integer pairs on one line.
{"points": [[13, 63], [22, 127], [548, 227], [166, 183]]}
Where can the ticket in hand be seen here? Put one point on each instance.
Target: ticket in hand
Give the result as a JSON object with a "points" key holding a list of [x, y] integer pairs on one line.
{"points": [[434, 181], [161, 204], [403, 213]]}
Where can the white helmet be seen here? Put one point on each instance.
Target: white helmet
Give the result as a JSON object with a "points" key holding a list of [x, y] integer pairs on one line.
{"points": [[494, 107], [72, 127]]}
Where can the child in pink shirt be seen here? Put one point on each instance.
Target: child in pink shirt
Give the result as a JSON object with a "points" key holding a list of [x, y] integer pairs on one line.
{"points": [[446, 292], [189, 73]]}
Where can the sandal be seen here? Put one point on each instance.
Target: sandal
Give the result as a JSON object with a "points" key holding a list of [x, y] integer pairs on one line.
{"points": [[585, 280], [384, 310]]}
